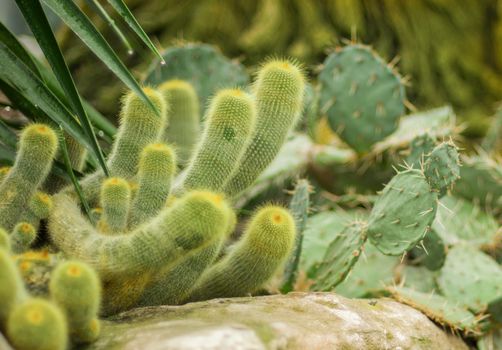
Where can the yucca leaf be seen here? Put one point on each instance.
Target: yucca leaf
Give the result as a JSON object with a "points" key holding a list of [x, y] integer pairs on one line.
{"points": [[128, 17], [80, 24], [35, 17], [15, 73], [104, 15], [15, 46], [7, 136], [7, 155]]}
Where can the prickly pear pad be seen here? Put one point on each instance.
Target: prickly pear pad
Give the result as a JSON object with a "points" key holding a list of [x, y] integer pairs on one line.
{"points": [[442, 167], [350, 76], [470, 278], [403, 213], [343, 252]]}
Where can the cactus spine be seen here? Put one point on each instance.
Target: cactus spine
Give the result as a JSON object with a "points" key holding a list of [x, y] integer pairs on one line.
{"points": [[279, 93], [184, 123], [37, 148]]}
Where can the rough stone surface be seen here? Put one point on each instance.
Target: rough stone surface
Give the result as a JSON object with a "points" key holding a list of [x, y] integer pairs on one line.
{"points": [[295, 321]]}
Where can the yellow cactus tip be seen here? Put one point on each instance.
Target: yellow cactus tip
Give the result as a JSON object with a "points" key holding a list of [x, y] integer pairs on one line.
{"points": [[26, 228], [42, 128], [24, 266], [74, 271], [174, 83], [236, 92], [44, 197], [149, 90], [34, 316], [277, 218]]}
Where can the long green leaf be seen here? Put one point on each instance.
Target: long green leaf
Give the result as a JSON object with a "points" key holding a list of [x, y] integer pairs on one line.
{"points": [[9, 40], [128, 17], [35, 17], [7, 155], [7, 136], [83, 27], [104, 15], [15, 73]]}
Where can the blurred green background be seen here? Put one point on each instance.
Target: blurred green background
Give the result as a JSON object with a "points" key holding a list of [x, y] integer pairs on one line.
{"points": [[451, 50]]}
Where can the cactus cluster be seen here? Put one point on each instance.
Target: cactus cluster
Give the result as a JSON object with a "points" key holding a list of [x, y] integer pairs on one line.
{"points": [[158, 225]]}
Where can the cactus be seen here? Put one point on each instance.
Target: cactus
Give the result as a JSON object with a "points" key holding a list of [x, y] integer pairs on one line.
{"points": [[431, 252], [459, 220], [206, 69], [22, 237], [419, 147], [439, 309], [155, 176], [353, 74], [182, 130], [403, 214], [37, 324], [267, 242], [279, 91], [470, 278], [229, 126], [343, 252], [37, 148], [418, 278], [441, 167], [139, 126], [115, 201], [4, 240], [11, 287], [75, 287]]}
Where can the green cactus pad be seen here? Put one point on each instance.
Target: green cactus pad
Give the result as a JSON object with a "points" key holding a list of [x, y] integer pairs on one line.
{"points": [[458, 220], [442, 167], [403, 213], [299, 207], [417, 278], [370, 275], [431, 252], [419, 147], [470, 278], [322, 228], [481, 181], [37, 324], [439, 309], [343, 252], [201, 65], [362, 96], [439, 123]]}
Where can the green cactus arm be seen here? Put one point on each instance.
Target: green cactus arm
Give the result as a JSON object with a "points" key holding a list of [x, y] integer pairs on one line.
{"points": [[11, 286], [156, 170], [184, 123], [267, 242], [4, 240], [139, 126], [279, 93], [229, 125], [37, 324], [22, 237], [76, 288], [191, 222], [37, 148], [38, 209], [116, 202]]}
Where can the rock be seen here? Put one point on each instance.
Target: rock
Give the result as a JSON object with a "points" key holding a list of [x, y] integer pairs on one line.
{"points": [[293, 321]]}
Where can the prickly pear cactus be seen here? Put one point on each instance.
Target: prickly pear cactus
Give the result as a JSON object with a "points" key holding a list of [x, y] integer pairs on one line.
{"points": [[403, 213], [439, 309], [201, 65], [419, 147], [442, 167], [470, 278], [343, 252], [362, 96], [430, 252], [418, 278]]}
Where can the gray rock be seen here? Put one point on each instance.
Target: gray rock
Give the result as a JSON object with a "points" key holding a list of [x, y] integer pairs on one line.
{"points": [[294, 321]]}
